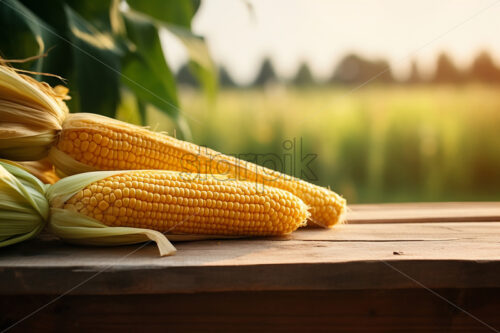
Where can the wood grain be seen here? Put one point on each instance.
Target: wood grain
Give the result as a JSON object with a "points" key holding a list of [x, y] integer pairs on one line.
{"points": [[438, 255], [381, 272], [425, 212], [406, 310]]}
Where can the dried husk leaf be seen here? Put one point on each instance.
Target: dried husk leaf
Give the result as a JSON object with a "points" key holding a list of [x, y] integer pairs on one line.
{"points": [[31, 115], [66, 165], [25, 143], [41, 169]]}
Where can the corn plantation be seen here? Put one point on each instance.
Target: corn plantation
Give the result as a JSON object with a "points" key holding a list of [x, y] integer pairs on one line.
{"points": [[376, 144]]}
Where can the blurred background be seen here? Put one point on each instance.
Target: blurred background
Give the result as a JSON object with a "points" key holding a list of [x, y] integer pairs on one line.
{"points": [[400, 100], [382, 101]]}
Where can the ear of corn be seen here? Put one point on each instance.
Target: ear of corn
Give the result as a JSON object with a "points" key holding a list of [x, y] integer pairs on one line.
{"points": [[89, 142], [126, 207], [39, 104], [24, 211], [23, 206], [77, 228], [31, 114], [177, 203], [36, 120]]}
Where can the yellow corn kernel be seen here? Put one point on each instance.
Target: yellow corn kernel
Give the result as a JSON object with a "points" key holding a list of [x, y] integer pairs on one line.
{"points": [[180, 203], [127, 147]]}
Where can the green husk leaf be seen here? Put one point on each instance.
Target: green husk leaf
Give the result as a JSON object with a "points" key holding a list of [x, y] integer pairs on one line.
{"points": [[77, 228], [24, 209], [67, 165], [64, 189]]}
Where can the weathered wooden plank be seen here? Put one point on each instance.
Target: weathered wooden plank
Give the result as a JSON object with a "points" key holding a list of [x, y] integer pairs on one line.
{"points": [[425, 212], [365, 275], [468, 241], [380, 256], [407, 231], [355, 277], [407, 310]]}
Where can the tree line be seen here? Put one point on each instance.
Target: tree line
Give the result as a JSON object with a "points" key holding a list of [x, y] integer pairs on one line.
{"points": [[354, 69]]}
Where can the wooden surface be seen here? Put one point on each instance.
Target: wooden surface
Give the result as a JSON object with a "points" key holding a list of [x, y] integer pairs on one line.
{"points": [[425, 212], [406, 310], [385, 271], [350, 256]]}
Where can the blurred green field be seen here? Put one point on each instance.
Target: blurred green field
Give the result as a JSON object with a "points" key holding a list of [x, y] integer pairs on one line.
{"points": [[377, 144]]}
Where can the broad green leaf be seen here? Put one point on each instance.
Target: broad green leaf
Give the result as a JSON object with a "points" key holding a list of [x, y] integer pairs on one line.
{"points": [[97, 65], [146, 71], [49, 11], [53, 12], [207, 77], [127, 110], [178, 12], [23, 34], [142, 109], [95, 12], [201, 64], [200, 61], [23, 26], [59, 60]]}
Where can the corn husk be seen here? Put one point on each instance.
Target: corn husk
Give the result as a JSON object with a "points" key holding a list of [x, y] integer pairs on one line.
{"points": [[77, 228], [24, 209], [41, 169], [26, 205], [31, 114], [66, 165]]}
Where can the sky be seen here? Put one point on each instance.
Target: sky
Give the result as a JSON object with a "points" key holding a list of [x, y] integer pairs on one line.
{"points": [[241, 33]]}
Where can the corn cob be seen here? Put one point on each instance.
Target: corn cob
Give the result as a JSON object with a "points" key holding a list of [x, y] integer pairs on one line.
{"points": [[180, 203], [91, 142], [124, 207], [88, 142]]}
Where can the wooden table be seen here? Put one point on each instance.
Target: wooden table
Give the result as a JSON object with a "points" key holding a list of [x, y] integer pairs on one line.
{"points": [[392, 268]]}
